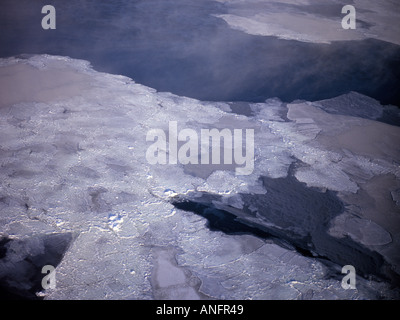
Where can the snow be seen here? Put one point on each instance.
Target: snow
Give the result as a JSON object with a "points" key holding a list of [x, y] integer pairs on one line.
{"points": [[364, 231], [72, 157], [314, 21], [353, 104]]}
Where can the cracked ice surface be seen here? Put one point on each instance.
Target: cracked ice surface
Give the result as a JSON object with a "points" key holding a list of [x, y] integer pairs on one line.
{"points": [[72, 152]]}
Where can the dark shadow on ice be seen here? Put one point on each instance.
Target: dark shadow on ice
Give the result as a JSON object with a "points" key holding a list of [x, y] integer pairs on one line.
{"points": [[22, 260], [292, 215]]}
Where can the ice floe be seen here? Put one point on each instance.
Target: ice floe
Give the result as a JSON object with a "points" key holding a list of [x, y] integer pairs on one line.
{"points": [[72, 157]]}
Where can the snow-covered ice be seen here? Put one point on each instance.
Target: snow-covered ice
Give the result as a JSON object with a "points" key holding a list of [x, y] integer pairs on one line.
{"points": [[72, 162], [314, 20]]}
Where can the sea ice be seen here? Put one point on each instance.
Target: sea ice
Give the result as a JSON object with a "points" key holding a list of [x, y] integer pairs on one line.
{"points": [[72, 162], [313, 21]]}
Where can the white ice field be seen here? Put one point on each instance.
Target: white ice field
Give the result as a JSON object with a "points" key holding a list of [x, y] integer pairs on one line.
{"points": [[72, 161]]}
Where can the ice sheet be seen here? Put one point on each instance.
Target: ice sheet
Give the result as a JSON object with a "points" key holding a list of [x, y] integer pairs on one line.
{"points": [[314, 21], [73, 161]]}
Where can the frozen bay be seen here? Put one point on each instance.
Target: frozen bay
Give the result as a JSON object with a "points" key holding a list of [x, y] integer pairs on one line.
{"points": [[76, 189]]}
